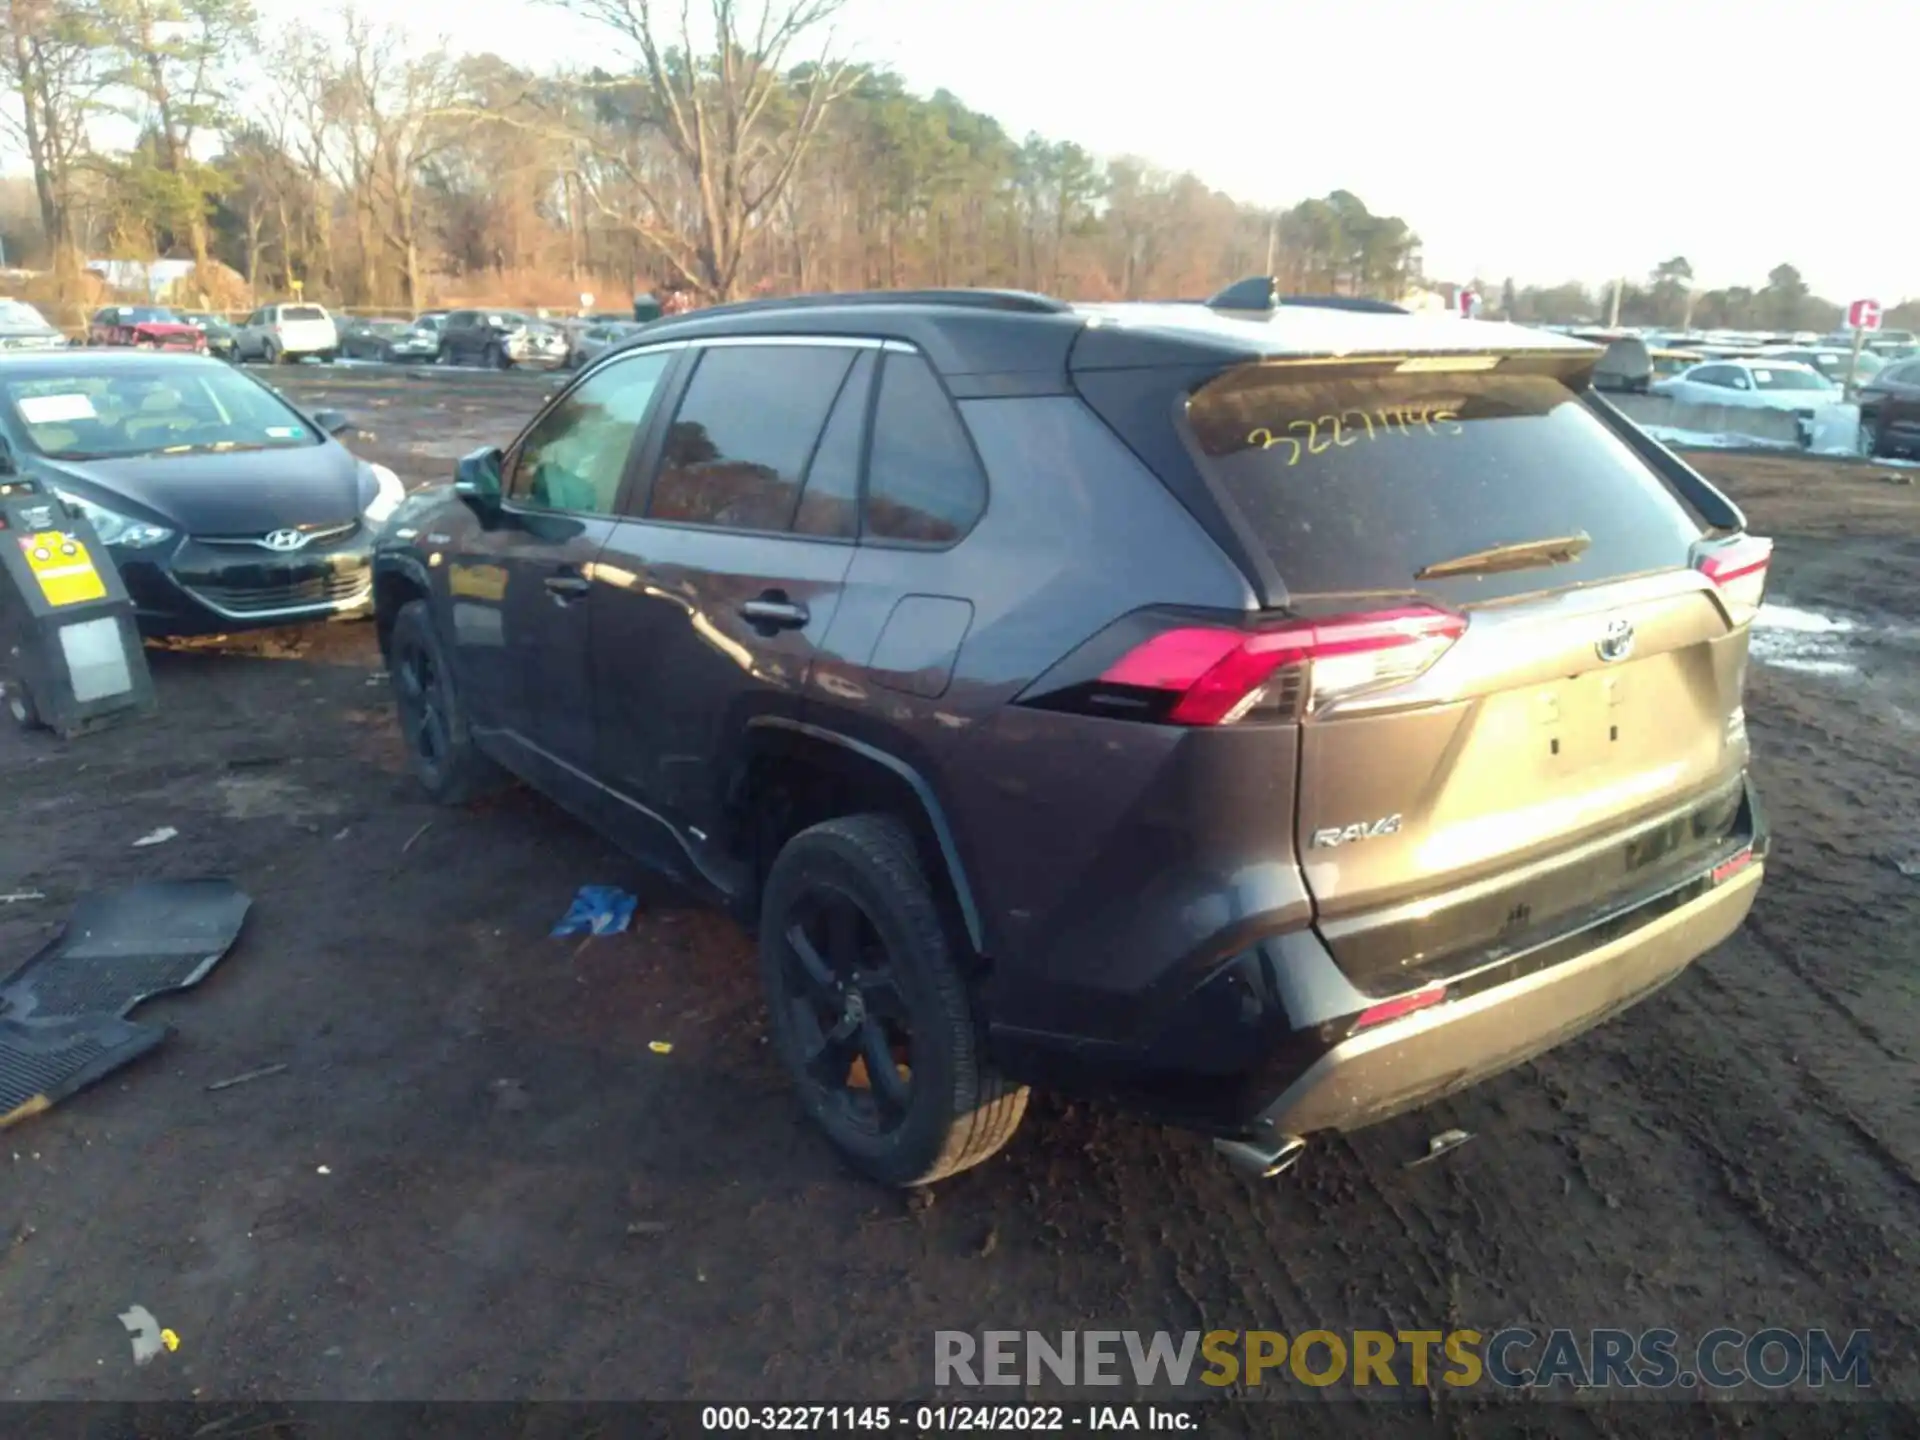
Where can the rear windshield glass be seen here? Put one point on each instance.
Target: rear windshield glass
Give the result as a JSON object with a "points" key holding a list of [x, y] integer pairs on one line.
{"points": [[302, 312], [1356, 477]]}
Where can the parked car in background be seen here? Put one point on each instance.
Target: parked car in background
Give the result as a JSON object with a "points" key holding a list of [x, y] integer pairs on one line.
{"points": [[223, 340], [501, 340], [1757, 383], [1669, 362], [1834, 363], [370, 338], [594, 341], [1273, 721], [1890, 411], [223, 506], [24, 328], [276, 333], [1627, 364], [420, 341], [144, 327]]}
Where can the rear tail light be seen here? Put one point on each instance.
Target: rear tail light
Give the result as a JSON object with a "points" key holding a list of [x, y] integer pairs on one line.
{"points": [[1216, 675], [1738, 570]]}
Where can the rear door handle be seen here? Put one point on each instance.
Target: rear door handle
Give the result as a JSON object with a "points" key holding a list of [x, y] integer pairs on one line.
{"points": [[569, 587], [774, 614]]}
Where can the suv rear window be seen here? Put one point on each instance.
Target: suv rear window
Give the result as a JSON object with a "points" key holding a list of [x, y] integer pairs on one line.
{"points": [[1355, 476], [302, 312]]}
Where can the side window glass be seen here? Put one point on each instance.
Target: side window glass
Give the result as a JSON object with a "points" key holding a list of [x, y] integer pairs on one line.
{"points": [[575, 454], [924, 485], [830, 498], [750, 421]]}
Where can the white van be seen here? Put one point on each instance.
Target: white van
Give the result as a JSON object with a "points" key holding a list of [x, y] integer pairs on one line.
{"points": [[275, 333]]}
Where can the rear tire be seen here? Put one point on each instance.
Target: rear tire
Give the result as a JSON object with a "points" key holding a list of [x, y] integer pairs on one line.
{"points": [[494, 358], [269, 352], [433, 722], [880, 983]]}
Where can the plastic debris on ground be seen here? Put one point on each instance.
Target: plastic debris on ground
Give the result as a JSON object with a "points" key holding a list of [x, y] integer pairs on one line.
{"points": [[598, 910], [157, 837], [148, 1338], [660, 1047], [1440, 1144]]}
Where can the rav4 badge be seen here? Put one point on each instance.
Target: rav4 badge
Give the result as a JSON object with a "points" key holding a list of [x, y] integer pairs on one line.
{"points": [[1343, 835]]}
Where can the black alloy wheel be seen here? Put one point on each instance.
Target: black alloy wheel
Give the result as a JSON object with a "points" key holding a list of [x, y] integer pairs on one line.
{"points": [[847, 1009]]}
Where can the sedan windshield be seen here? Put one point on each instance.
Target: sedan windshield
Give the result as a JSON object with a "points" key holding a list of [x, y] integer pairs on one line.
{"points": [[142, 314], [162, 409]]}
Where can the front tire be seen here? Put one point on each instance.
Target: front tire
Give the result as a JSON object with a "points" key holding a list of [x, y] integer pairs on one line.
{"points": [[1869, 436], [494, 358], [433, 721], [868, 1008]]}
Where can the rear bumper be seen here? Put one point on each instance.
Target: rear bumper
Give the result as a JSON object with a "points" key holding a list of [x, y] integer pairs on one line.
{"points": [[1269, 1044], [1435, 1052]]}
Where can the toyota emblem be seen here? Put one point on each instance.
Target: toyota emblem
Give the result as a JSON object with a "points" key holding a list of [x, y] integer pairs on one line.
{"points": [[1616, 641], [293, 540]]}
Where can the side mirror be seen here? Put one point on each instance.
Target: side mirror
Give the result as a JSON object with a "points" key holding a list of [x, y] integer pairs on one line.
{"points": [[476, 480], [8, 465], [334, 422]]}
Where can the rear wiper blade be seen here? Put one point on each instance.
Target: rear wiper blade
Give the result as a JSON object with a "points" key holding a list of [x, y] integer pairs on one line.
{"points": [[1521, 555]]}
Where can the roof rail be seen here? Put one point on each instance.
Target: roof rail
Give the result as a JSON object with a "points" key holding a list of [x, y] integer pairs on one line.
{"points": [[1262, 292], [1014, 301]]}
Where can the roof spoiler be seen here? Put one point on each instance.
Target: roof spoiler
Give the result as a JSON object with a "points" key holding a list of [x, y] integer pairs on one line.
{"points": [[1261, 293]]}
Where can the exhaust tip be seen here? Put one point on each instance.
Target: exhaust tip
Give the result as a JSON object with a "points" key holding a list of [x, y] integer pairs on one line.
{"points": [[1262, 1160]]}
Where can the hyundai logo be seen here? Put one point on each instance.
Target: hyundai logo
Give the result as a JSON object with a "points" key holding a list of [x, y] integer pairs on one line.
{"points": [[294, 539], [1616, 641]]}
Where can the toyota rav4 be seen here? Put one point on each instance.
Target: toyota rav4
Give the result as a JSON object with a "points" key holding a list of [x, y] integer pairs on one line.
{"points": [[1271, 718]]}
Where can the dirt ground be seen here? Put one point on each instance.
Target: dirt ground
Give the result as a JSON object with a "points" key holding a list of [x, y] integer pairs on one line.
{"points": [[475, 1178]]}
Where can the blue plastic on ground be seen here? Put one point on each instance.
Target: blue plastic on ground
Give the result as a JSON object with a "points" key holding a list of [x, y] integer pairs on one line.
{"points": [[597, 910]]}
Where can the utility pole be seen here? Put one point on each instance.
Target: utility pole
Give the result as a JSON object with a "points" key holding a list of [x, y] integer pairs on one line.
{"points": [[1613, 316], [1273, 241]]}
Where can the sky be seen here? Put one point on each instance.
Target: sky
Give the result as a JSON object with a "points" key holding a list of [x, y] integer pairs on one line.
{"points": [[1574, 139]]}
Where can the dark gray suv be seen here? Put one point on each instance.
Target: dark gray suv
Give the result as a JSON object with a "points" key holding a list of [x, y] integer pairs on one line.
{"points": [[1271, 720]]}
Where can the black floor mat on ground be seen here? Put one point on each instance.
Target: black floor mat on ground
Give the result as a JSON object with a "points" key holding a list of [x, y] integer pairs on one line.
{"points": [[44, 1061], [124, 946]]}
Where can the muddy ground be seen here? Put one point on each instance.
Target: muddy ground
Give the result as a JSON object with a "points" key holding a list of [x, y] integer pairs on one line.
{"points": [[476, 1179]]}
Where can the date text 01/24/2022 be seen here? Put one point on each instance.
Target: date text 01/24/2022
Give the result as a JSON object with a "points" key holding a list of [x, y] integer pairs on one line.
{"points": [[946, 1419]]}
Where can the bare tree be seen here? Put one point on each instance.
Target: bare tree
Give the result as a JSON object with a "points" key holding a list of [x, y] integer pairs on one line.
{"points": [[396, 112], [735, 123], [175, 56], [49, 53]]}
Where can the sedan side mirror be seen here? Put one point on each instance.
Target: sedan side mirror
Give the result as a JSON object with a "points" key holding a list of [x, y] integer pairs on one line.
{"points": [[334, 422], [476, 480]]}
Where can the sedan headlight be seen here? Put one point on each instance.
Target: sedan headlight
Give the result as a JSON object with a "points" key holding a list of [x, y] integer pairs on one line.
{"points": [[116, 529], [388, 493]]}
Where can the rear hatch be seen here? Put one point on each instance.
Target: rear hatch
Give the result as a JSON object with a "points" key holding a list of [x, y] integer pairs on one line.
{"points": [[306, 328], [1508, 676]]}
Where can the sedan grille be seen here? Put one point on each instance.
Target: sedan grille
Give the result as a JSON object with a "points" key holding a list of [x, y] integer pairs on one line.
{"points": [[338, 587], [318, 537]]}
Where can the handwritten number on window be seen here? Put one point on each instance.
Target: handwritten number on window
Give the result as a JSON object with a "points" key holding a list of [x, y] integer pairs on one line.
{"points": [[1341, 430]]}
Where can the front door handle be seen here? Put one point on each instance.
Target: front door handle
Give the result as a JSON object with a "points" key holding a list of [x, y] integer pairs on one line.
{"points": [[773, 611], [569, 587]]}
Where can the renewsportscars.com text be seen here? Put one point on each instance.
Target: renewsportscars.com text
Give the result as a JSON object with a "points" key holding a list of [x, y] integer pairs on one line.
{"points": [[1658, 1359]]}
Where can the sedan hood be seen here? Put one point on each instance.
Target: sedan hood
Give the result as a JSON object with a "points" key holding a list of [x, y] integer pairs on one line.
{"points": [[243, 492]]}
